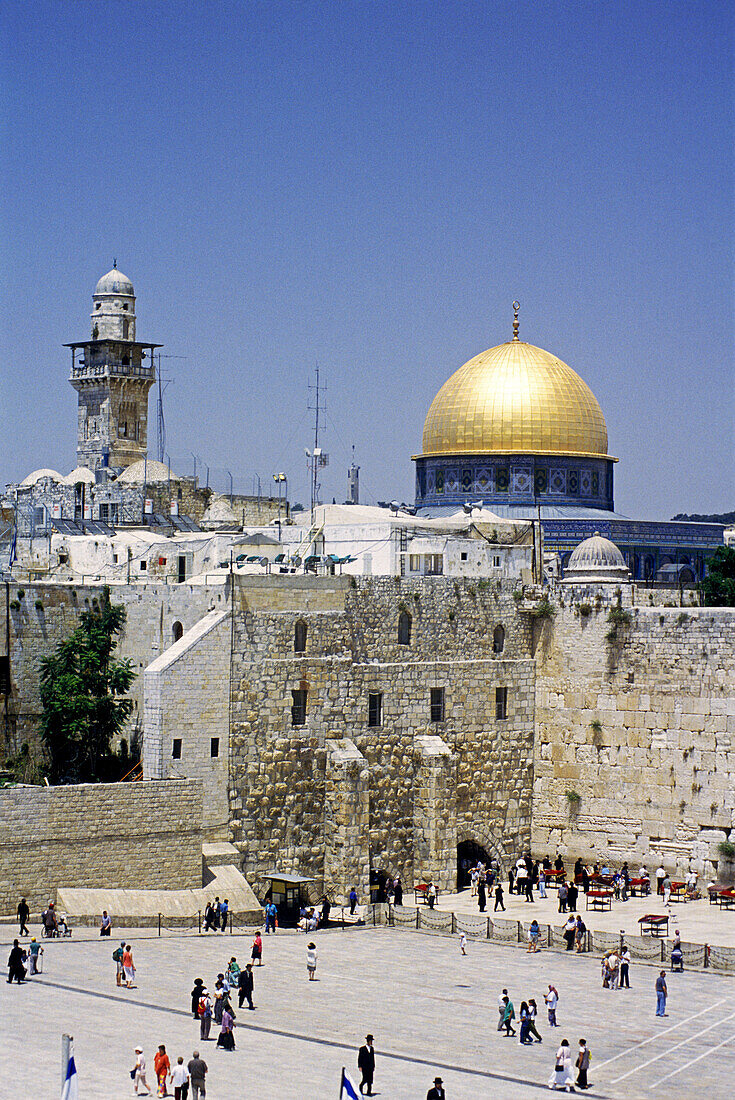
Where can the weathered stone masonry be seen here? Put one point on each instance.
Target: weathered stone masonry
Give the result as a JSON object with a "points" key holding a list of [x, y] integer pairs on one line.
{"points": [[426, 783]]}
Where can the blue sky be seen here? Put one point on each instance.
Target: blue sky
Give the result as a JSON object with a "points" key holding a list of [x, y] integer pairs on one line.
{"points": [[368, 186]]}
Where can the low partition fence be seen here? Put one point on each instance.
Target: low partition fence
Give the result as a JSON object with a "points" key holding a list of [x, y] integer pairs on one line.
{"points": [[645, 949]]}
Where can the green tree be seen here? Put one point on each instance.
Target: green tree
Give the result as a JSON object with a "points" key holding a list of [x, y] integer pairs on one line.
{"points": [[718, 587], [83, 689]]}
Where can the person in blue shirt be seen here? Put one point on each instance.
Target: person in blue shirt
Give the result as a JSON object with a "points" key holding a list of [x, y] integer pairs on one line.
{"points": [[223, 910], [270, 917], [353, 901]]}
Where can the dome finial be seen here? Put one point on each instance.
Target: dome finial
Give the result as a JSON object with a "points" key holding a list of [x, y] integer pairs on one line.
{"points": [[516, 307]]}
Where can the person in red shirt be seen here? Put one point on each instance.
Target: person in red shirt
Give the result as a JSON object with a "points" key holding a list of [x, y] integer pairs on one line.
{"points": [[162, 1066]]}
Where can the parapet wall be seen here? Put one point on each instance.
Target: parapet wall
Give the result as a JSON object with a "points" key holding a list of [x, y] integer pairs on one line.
{"points": [[115, 835]]}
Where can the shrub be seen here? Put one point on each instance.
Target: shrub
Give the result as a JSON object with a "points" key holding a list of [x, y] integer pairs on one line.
{"points": [[14, 605], [573, 798], [585, 609], [726, 849], [517, 595], [39, 605], [545, 609], [21, 593]]}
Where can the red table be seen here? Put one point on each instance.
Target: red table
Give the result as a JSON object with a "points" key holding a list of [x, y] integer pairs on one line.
{"points": [[654, 924]]}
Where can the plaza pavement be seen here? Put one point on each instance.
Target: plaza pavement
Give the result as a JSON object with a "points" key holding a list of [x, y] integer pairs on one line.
{"points": [[697, 921], [431, 1011]]}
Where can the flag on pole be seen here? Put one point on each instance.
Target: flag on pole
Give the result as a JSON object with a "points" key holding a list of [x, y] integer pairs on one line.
{"points": [[70, 1090], [348, 1090]]}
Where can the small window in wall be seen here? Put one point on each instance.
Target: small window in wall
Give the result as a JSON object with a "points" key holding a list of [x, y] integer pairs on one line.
{"points": [[501, 702], [434, 565], [463, 556], [404, 628], [498, 639], [98, 306], [214, 747], [375, 708], [496, 561], [414, 562], [176, 749], [125, 306], [177, 630], [299, 637], [437, 704], [298, 707], [143, 566]]}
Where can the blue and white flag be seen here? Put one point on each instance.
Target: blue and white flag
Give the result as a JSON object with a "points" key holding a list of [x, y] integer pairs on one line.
{"points": [[70, 1090], [348, 1090]]}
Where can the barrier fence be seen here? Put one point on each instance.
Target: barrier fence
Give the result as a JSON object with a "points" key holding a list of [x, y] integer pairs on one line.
{"points": [[646, 949]]}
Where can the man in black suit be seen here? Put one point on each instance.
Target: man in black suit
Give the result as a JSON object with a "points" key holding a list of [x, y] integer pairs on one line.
{"points": [[245, 986], [366, 1064], [437, 1093]]}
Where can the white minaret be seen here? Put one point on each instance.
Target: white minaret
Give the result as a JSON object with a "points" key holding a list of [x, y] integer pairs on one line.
{"points": [[113, 307]]}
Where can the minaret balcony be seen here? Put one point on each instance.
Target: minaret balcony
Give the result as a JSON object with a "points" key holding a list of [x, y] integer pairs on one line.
{"points": [[83, 371]]}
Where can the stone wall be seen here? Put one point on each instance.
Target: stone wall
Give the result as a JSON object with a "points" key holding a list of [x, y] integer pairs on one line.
{"points": [[34, 632], [278, 770], [187, 701], [134, 835], [639, 722]]}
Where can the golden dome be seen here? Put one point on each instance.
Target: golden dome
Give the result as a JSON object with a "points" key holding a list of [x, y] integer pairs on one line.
{"points": [[515, 399]]}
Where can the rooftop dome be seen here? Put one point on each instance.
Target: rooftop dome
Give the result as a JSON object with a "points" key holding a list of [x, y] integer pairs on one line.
{"points": [[515, 399], [37, 475], [114, 282], [596, 559], [140, 471], [80, 474]]}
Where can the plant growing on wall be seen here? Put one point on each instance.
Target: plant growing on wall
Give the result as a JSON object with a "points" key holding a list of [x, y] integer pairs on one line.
{"points": [[726, 849], [574, 800], [545, 609], [83, 695], [596, 728]]}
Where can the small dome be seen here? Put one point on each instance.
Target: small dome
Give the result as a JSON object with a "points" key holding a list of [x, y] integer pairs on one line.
{"points": [[139, 471], [219, 514], [114, 282], [38, 475], [597, 559], [80, 474]]}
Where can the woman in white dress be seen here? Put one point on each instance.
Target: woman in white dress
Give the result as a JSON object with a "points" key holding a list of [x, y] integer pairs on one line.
{"points": [[562, 1076]]}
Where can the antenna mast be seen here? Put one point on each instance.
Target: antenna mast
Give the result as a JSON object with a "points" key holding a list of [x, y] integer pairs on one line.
{"points": [[161, 423], [316, 458]]}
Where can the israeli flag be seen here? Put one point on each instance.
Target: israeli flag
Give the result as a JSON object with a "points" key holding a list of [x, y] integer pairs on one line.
{"points": [[348, 1090], [70, 1090]]}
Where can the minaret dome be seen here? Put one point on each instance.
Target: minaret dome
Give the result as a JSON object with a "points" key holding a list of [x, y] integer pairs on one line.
{"points": [[113, 307]]}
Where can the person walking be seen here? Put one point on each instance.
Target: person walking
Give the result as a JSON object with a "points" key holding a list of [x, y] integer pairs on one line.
{"points": [[541, 883], [552, 1000], [366, 1064], [508, 1017], [245, 987], [570, 931], [625, 967], [210, 917], [205, 1015], [196, 994], [35, 959], [128, 966], [661, 994], [463, 942], [437, 1092], [525, 1018], [563, 895], [499, 897], [226, 1040], [398, 892], [502, 1002], [257, 951], [666, 891], [270, 918], [197, 1068], [162, 1069], [353, 901], [529, 886], [311, 960], [105, 924], [481, 894], [23, 915], [139, 1073], [532, 1014], [572, 895], [534, 934], [180, 1080], [660, 876], [224, 910], [562, 1076], [625, 877], [582, 1064], [16, 959], [580, 934], [117, 958]]}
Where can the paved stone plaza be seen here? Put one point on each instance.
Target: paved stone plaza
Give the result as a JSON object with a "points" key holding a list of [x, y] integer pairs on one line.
{"points": [[431, 1011]]}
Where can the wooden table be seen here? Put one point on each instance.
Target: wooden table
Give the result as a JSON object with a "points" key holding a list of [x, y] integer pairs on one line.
{"points": [[654, 924]]}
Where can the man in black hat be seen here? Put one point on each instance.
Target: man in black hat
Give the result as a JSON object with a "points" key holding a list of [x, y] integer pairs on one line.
{"points": [[437, 1093], [366, 1064]]}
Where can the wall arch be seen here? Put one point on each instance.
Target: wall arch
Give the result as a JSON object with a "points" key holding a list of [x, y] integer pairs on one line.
{"points": [[485, 837]]}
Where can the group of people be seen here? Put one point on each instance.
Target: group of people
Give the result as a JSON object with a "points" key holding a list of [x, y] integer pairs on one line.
{"points": [[615, 968], [216, 1006], [181, 1077], [562, 1075], [215, 915]]}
